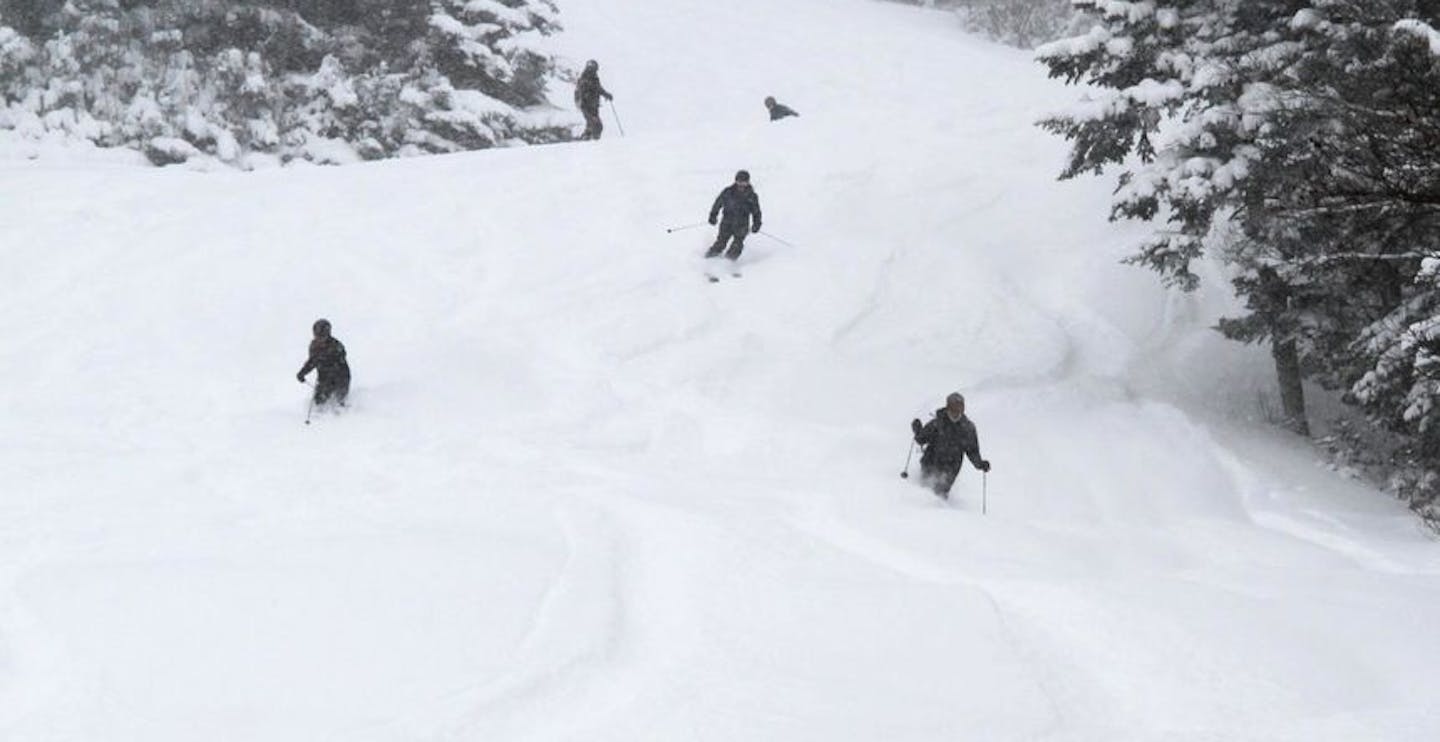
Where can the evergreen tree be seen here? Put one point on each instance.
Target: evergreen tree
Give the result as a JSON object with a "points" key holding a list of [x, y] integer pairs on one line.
{"points": [[1189, 88], [1300, 140], [493, 46], [325, 80]]}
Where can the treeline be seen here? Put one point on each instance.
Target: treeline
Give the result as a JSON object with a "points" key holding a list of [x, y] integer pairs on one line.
{"points": [[1300, 143], [251, 83], [1022, 23]]}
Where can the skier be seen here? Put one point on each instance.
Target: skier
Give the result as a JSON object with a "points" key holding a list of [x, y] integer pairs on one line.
{"points": [[588, 92], [778, 110], [741, 206], [948, 440], [327, 356]]}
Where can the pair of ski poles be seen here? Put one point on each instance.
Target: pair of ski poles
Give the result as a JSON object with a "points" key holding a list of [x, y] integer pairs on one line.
{"points": [[984, 481], [697, 225]]}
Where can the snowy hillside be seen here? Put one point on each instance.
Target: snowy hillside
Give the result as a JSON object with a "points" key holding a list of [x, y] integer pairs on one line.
{"points": [[583, 494]]}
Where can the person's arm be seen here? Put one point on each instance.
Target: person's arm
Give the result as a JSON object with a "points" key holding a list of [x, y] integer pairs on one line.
{"points": [[310, 363], [755, 215], [972, 450], [603, 91], [926, 433], [715, 208]]}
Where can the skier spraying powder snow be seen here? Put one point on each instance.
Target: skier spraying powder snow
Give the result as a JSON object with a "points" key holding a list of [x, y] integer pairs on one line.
{"points": [[327, 358], [948, 439], [741, 206]]}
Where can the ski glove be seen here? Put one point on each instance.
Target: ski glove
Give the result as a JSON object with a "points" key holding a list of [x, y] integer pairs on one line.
{"points": [[757, 227], [714, 221], [609, 97], [916, 426], [300, 378], [984, 466]]}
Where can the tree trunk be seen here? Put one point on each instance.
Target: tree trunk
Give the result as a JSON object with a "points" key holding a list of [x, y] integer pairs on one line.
{"points": [[1292, 391]]}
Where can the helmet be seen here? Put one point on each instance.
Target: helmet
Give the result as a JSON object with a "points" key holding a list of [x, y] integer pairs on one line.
{"points": [[592, 65], [321, 328], [742, 177], [769, 101]]}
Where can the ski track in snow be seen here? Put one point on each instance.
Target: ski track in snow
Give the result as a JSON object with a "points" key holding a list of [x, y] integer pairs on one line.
{"points": [[580, 494]]}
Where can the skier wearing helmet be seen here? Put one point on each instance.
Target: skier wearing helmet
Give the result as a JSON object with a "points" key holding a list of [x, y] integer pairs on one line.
{"points": [[327, 357], [741, 206], [588, 92]]}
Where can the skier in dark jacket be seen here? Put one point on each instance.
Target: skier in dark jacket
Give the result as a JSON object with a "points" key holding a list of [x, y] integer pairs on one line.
{"points": [[948, 439], [778, 110], [741, 206], [588, 92], [327, 356]]}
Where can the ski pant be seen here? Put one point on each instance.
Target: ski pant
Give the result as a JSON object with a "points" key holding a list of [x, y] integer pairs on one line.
{"points": [[332, 385], [939, 476], [735, 234], [593, 125]]}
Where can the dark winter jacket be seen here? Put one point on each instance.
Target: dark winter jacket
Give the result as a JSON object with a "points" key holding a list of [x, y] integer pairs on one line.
{"points": [[588, 91], [327, 355], [780, 111], [948, 443], [740, 205]]}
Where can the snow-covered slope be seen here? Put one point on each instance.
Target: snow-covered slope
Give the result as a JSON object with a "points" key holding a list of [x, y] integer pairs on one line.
{"points": [[585, 495]]}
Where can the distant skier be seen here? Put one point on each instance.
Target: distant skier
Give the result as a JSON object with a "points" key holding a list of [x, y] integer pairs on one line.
{"points": [[948, 440], [741, 206], [327, 357], [588, 92], [778, 110]]}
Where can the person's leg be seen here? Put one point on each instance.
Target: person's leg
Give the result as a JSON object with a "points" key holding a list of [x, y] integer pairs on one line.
{"points": [[720, 240], [944, 480], [342, 388], [591, 118], [737, 245], [928, 473], [593, 124]]}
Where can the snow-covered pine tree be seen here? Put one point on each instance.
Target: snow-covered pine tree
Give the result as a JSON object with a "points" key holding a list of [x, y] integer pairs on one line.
{"points": [[1022, 23], [1300, 139], [16, 53], [79, 86], [1183, 94], [302, 78], [248, 101], [495, 47], [491, 65], [1382, 204]]}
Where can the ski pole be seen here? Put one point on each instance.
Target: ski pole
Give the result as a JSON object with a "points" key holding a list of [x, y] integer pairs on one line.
{"points": [[984, 492], [777, 239], [906, 473], [616, 114], [697, 225], [310, 408]]}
